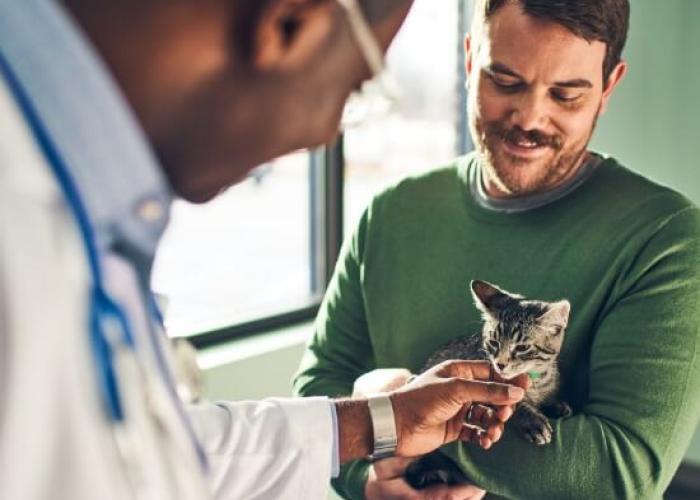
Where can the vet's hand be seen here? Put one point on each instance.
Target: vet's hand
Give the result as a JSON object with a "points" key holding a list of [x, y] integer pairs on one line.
{"points": [[386, 482], [389, 379], [430, 410]]}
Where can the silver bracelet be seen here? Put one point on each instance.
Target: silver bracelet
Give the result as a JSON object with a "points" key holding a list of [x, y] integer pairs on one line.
{"points": [[383, 426]]}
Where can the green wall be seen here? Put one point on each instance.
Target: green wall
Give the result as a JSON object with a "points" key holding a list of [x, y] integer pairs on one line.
{"points": [[653, 122]]}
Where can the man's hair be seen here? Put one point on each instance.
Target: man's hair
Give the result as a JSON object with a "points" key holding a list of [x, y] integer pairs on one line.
{"points": [[602, 20]]}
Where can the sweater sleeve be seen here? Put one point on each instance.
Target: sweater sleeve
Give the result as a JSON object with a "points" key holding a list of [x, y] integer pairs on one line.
{"points": [[643, 402], [340, 349]]}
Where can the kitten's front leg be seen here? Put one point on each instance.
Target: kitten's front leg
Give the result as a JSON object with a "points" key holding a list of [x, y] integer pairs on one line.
{"points": [[533, 424], [560, 409]]}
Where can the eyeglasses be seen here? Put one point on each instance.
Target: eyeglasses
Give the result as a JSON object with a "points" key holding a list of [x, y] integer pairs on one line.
{"points": [[379, 95]]}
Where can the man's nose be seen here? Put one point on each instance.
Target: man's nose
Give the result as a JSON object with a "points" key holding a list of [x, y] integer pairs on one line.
{"points": [[530, 112]]}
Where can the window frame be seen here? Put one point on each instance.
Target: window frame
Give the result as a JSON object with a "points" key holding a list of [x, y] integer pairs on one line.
{"points": [[326, 212]]}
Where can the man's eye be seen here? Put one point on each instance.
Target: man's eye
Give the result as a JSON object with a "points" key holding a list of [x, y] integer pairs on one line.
{"points": [[503, 83], [565, 97], [507, 86]]}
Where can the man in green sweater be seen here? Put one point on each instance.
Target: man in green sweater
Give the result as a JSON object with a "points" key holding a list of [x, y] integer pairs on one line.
{"points": [[534, 211]]}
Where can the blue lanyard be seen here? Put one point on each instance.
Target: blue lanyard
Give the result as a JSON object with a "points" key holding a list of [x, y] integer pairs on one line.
{"points": [[102, 307], [103, 310]]}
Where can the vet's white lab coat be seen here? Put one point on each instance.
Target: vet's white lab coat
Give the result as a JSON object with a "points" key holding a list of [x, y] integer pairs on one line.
{"points": [[55, 440]]}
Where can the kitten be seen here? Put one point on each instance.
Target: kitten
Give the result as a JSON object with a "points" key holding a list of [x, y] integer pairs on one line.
{"points": [[519, 336]]}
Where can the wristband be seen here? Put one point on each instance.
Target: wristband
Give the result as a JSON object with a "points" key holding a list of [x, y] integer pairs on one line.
{"points": [[383, 426]]}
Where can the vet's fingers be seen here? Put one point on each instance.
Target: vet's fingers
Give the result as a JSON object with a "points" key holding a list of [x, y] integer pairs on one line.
{"points": [[485, 427], [524, 381], [495, 432], [485, 442], [476, 436], [470, 435], [487, 392], [504, 413], [454, 426], [481, 416]]}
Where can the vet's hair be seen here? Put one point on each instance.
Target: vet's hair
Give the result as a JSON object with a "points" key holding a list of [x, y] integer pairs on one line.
{"points": [[593, 20]]}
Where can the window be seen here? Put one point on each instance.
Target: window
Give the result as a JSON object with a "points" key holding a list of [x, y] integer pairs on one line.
{"points": [[243, 255], [426, 130], [260, 255]]}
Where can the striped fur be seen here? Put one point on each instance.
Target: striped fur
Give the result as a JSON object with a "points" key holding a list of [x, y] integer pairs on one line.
{"points": [[518, 336]]}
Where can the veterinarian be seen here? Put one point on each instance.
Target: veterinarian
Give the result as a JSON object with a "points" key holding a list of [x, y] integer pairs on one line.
{"points": [[108, 109], [537, 212]]}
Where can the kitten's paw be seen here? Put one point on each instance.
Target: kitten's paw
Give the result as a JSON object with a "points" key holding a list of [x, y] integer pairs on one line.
{"points": [[563, 410], [558, 410], [536, 429]]}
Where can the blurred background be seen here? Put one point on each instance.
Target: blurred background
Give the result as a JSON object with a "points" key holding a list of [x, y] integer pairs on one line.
{"points": [[278, 232]]}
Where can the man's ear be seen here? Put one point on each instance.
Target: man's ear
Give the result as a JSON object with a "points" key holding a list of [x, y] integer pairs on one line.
{"points": [[290, 32], [614, 79]]}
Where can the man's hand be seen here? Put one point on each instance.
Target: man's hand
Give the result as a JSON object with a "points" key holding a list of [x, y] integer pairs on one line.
{"points": [[380, 380], [430, 411], [386, 482]]}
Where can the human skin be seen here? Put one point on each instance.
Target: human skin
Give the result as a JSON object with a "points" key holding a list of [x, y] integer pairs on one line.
{"points": [[386, 480], [536, 91], [430, 410], [220, 86]]}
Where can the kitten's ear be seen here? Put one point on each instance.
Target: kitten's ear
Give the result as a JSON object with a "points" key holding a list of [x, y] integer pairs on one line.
{"points": [[557, 314], [488, 298]]}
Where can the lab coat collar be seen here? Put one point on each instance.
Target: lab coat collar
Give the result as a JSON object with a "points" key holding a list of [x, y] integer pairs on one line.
{"points": [[92, 126]]}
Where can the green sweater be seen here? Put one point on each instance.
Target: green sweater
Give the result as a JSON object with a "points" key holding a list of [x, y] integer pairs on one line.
{"points": [[624, 251]]}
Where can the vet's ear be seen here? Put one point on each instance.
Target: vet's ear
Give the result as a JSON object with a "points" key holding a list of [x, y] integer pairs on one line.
{"points": [[290, 33], [488, 298], [557, 314]]}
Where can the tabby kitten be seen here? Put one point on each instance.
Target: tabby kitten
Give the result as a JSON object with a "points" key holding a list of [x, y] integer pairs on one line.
{"points": [[519, 336]]}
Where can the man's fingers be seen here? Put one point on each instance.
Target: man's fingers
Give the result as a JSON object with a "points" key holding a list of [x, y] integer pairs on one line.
{"points": [[488, 392], [466, 491], [390, 468]]}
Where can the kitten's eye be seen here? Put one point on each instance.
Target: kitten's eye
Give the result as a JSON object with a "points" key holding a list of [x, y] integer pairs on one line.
{"points": [[493, 344], [521, 348]]}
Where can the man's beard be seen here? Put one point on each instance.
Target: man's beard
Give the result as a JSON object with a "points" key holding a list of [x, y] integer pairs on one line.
{"points": [[514, 176]]}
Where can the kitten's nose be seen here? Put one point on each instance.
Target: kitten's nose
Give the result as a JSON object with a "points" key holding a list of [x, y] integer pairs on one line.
{"points": [[501, 366]]}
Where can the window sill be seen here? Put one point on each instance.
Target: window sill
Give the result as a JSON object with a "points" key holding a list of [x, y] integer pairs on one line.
{"points": [[246, 348]]}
